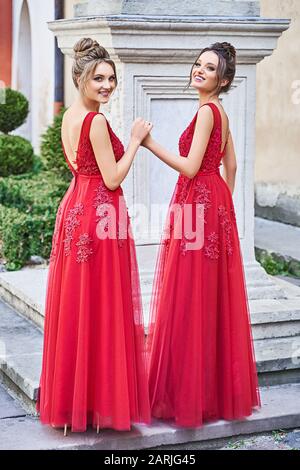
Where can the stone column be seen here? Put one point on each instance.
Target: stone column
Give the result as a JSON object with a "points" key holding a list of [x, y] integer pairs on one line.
{"points": [[154, 44]]}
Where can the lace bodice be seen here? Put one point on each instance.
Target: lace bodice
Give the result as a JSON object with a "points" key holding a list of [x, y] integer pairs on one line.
{"points": [[86, 163], [213, 155]]}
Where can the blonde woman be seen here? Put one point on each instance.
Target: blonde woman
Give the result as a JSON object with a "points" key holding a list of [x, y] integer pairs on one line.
{"points": [[93, 370]]}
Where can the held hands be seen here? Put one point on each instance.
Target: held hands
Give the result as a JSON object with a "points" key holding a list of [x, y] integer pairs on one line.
{"points": [[146, 141], [140, 130]]}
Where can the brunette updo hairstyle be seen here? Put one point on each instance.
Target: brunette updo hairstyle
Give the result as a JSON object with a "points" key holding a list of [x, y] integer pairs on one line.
{"points": [[87, 55], [226, 66]]}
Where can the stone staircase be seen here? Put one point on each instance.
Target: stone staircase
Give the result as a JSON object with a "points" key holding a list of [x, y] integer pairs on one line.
{"points": [[275, 326]]}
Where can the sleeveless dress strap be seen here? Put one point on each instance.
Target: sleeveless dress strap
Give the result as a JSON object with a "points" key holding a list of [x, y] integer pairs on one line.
{"points": [[217, 121], [88, 122], [216, 113]]}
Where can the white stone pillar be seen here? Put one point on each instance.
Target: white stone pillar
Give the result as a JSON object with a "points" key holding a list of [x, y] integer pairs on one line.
{"points": [[154, 54]]}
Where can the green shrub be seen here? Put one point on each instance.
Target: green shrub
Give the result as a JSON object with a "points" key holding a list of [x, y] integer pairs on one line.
{"points": [[51, 149], [274, 264], [16, 155], [34, 193], [14, 111], [29, 201], [28, 207], [14, 235]]}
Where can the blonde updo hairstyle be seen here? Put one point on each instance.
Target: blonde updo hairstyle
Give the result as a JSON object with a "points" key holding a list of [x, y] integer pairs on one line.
{"points": [[87, 55]]}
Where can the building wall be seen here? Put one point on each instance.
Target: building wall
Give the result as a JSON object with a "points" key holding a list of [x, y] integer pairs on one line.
{"points": [[70, 90], [33, 64], [278, 102], [5, 42]]}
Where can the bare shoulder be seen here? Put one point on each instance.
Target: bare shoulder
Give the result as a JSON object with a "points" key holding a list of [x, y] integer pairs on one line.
{"points": [[205, 116], [65, 117], [99, 129], [68, 115], [99, 123], [70, 119]]}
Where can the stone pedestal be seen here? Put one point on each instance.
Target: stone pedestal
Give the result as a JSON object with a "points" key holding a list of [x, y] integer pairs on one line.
{"points": [[154, 44]]}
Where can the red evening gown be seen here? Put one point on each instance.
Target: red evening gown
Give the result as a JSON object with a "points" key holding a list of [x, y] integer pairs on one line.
{"points": [[201, 362], [94, 364]]}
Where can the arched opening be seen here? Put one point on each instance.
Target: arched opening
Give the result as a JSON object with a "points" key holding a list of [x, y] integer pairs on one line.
{"points": [[24, 70]]}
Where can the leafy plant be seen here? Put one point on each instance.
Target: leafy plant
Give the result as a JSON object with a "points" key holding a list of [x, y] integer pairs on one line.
{"points": [[51, 149], [16, 155], [28, 207], [14, 111]]}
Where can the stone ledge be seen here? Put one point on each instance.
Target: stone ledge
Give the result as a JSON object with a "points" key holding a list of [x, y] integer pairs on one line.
{"points": [[278, 202], [173, 7], [280, 410], [21, 354]]}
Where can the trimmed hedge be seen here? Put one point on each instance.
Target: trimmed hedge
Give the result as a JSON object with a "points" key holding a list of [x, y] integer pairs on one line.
{"points": [[28, 207], [16, 155], [14, 235], [14, 111], [29, 201]]}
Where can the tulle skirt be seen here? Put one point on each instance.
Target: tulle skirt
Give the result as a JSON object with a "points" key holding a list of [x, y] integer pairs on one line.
{"points": [[94, 364], [200, 350]]}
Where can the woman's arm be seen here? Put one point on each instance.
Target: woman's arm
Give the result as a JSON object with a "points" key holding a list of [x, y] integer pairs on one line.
{"points": [[114, 172], [229, 164], [190, 165]]}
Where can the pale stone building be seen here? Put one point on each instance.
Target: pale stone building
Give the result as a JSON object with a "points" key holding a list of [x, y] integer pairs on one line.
{"points": [[33, 63], [277, 169], [34, 67], [277, 163]]}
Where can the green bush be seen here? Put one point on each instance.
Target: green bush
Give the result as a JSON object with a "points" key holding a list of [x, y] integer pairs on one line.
{"points": [[29, 201], [14, 111], [34, 193], [14, 235], [276, 264], [16, 155], [51, 149], [28, 207]]}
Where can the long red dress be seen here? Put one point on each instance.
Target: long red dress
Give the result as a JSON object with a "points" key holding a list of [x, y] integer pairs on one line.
{"points": [[201, 361], [94, 363]]}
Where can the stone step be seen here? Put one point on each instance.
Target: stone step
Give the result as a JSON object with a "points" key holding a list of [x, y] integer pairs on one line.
{"points": [[280, 410], [21, 354], [21, 343], [25, 291], [269, 236], [278, 360], [275, 318]]}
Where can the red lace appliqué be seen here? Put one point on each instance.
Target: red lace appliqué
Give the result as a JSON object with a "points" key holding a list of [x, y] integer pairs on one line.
{"points": [[211, 250], [117, 145], [84, 251], [71, 223], [85, 161], [55, 234], [103, 196], [101, 202], [212, 156], [202, 195], [226, 224], [182, 189]]}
